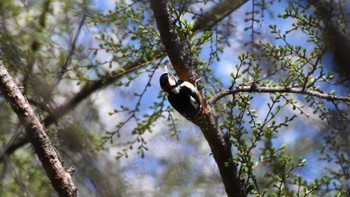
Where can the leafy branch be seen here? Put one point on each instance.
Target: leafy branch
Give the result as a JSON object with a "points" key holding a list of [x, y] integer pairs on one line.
{"points": [[180, 60], [84, 93]]}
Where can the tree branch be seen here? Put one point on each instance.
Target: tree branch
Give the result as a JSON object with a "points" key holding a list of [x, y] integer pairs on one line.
{"points": [[219, 145], [171, 40], [297, 90], [60, 179], [84, 93], [216, 14], [92, 87]]}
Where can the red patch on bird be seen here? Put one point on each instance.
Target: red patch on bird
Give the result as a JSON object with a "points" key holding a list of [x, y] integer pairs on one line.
{"points": [[166, 87], [204, 108]]}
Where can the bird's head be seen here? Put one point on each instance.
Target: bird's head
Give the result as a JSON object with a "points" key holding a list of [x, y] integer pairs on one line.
{"points": [[167, 81]]}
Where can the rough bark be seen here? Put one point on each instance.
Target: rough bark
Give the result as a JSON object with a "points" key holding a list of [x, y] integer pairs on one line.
{"points": [[173, 46], [220, 147], [60, 178]]}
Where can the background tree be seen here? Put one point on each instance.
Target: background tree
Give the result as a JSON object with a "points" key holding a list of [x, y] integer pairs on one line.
{"points": [[273, 74]]}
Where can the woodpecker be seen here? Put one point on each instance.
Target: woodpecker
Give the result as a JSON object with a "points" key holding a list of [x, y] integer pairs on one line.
{"points": [[183, 96]]}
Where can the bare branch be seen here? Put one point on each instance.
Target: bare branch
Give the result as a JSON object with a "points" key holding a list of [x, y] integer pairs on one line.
{"points": [[60, 178], [280, 89], [216, 14]]}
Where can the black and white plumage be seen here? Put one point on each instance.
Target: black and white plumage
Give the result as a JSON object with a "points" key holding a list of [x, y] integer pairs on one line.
{"points": [[183, 96]]}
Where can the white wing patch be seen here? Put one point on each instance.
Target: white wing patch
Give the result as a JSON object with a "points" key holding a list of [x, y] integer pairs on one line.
{"points": [[176, 89], [194, 102], [190, 86], [194, 91]]}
